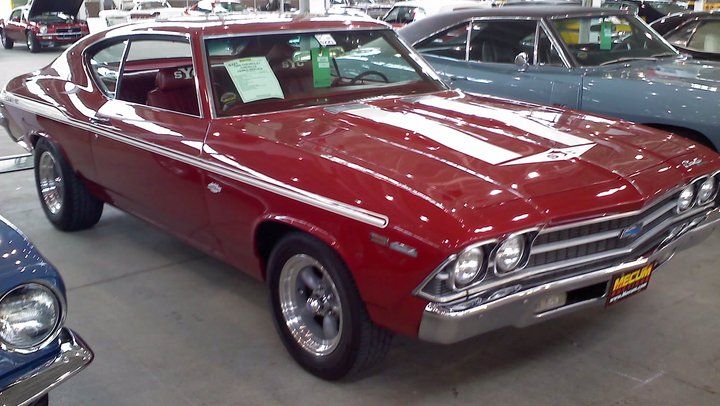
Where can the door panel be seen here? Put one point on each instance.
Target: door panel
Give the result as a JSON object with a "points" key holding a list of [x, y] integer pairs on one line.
{"points": [[143, 165]]}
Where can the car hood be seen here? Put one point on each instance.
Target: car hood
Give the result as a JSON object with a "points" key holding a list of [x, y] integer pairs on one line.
{"points": [[71, 7], [687, 72], [455, 149], [16, 251]]}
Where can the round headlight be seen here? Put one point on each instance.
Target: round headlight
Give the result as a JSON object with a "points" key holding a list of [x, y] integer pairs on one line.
{"points": [[686, 198], [706, 191], [43, 29], [29, 315], [509, 254], [467, 266]]}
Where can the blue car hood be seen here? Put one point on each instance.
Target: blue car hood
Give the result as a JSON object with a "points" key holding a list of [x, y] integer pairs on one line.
{"points": [[684, 72]]}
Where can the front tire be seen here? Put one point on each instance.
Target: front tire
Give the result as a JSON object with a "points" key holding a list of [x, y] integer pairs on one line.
{"points": [[32, 43], [64, 199], [318, 311], [7, 43]]}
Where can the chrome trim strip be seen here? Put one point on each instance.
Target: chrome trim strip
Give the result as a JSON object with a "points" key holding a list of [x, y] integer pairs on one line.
{"points": [[72, 357], [557, 245], [240, 173]]}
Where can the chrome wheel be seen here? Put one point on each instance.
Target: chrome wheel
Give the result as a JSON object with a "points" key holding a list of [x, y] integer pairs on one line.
{"points": [[51, 183], [28, 41], [310, 305]]}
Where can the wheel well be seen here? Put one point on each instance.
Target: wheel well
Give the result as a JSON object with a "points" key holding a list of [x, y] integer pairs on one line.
{"points": [[267, 235], [691, 134]]}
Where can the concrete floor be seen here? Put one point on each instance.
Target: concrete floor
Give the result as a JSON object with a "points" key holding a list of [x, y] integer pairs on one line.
{"points": [[171, 326]]}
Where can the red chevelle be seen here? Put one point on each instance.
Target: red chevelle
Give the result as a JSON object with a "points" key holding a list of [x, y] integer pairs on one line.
{"points": [[44, 23], [324, 156]]}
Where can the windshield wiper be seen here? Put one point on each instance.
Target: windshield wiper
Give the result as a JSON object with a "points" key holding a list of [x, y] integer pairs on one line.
{"points": [[628, 59]]}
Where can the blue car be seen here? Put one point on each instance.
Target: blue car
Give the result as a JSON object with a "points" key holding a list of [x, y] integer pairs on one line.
{"points": [[603, 61], [37, 352]]}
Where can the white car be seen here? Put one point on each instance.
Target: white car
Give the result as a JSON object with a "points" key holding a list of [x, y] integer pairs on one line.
{"points": [[372, 8], [205, 7], [405, 12], [139, 10]]}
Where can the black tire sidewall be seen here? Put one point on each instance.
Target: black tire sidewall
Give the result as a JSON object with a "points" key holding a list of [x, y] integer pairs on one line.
{"points": [[32, 42], [338, 363]]}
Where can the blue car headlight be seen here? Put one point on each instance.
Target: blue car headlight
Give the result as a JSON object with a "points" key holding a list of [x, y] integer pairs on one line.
{"points": [[30, 315]]}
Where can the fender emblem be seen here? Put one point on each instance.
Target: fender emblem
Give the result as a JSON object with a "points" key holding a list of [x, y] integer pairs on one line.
{"points": [[689, 163], [214, 187]]}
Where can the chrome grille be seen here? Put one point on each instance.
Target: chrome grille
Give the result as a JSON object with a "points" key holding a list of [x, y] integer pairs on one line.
{"points": [[567, 246]]}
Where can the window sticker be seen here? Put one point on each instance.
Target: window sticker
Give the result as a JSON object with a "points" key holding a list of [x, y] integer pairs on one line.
{"points": [[325, 40], [606, 29], [321, 68], [254, 79]]}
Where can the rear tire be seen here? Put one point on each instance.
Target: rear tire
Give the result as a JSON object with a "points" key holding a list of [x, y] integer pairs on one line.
{"points": [[32, 43], [7, 43], [64, 199], [298, 262]]}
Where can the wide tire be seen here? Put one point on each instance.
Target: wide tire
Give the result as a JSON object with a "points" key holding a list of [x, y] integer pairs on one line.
{"points": [[32, 43], [64, 199], [359, 344], [7, 43]]}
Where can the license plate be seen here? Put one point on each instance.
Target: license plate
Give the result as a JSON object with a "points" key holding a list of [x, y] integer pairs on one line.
{"points": [[628, 284]]}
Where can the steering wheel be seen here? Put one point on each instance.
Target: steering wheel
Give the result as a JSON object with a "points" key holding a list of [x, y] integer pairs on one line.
{"points": [[369, 73]]}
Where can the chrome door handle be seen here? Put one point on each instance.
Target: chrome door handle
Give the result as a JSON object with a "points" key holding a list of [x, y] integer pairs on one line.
{"points": [[100, 120]]}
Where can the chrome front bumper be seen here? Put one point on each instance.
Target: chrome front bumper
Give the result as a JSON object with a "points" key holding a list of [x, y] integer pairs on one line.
{"points": [[74, 355], [441, 324]]}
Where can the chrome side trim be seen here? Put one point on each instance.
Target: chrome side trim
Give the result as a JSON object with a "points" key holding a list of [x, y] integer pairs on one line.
{"points": [[73, 356], [238, 173]]}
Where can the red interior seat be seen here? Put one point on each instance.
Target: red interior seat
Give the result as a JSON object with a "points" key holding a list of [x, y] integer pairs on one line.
{"points": [[175, 91]]}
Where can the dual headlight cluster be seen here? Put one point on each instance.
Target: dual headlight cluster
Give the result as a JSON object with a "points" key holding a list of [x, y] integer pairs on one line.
{"points": [[472, 264], [699, 193], [30, 315]]}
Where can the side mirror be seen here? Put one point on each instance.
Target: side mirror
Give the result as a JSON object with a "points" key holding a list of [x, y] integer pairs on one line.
{"points": [[521, 61]]}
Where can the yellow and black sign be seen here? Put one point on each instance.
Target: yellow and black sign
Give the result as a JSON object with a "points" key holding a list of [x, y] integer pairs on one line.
{"points": [[629, 283]]}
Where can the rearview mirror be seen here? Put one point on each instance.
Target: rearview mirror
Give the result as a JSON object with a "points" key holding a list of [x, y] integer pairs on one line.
{"points": [[521, 61]]}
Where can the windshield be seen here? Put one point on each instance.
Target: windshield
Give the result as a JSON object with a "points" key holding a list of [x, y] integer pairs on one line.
{"points": [[597, 41], [265, 73]]}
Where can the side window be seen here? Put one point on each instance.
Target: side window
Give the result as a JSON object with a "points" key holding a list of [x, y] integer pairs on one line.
{"points": [[547, 54], [682, 35], [105, 66], [451, 43], [707, 37], [501, 41], [15, 16], [159, 73]]}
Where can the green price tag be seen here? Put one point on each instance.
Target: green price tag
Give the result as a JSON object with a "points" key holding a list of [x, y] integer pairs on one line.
{"points": [[606, 28], [321, 67]]}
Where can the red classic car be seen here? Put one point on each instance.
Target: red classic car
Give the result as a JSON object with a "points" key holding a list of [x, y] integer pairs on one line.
{"points": [[44, 23], [324, 156]]}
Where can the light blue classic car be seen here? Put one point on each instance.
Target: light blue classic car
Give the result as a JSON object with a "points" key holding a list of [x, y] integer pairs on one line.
{"points": [[603, 61]]}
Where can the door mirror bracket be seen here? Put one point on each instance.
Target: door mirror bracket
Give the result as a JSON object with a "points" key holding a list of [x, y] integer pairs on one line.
{"points": [[521, 61]]}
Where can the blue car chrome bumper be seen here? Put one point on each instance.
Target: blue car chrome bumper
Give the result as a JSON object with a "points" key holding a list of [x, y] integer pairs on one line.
{"points": [[74, 355]]}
